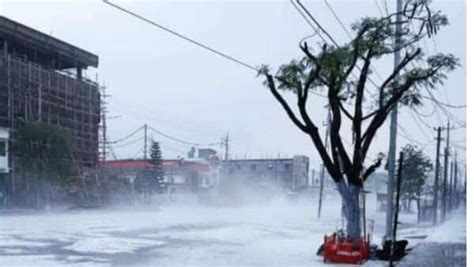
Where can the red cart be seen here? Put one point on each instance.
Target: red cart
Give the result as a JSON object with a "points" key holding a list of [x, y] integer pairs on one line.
{"points": [[338, 250]]}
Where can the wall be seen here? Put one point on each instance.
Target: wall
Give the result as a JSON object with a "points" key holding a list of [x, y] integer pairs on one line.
{"points": [[288, 173]]}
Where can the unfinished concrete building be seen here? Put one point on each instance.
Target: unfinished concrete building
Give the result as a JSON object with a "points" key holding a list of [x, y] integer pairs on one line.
{"points": [[41, 79]]}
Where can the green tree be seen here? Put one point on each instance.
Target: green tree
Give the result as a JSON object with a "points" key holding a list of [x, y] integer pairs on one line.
{"points": [[158, 174], [44, 154], [331, 71], [416, 167]]}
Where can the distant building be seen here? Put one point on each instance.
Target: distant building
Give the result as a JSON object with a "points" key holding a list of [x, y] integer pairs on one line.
{"points": [[286, 173], [181, 175], [205, 153], [378, 183]]}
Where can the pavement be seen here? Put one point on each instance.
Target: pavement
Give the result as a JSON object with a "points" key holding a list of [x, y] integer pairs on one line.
{"points": [[271, 234], [445, 246]]}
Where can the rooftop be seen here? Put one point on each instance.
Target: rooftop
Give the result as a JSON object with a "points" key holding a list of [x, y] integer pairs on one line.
{"points": [[133, 164], [42, 48]]}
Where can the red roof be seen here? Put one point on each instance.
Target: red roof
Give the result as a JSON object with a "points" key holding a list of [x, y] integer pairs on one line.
{"points": [[167, 164]]}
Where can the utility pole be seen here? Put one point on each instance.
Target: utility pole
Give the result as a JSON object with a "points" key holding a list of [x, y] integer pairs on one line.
{"points": [[436, 182], [450, 187], [465, 180], [321, 180], [445, 180], [226, 147], [455, 186], [393, 131], [145, 143], [103, 126], [225, 142], [397, 204]]}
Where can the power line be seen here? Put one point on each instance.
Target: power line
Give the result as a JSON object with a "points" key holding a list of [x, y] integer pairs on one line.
{"points": [[309, 23], [328, 35], [130, 143], [155, 24], [444, 104], [140, 151], [126, 137], [385, 5], [438, 104], [406, 135], [379, 8], [338, 19], [415, 118], [172, 138], [350, 36]]}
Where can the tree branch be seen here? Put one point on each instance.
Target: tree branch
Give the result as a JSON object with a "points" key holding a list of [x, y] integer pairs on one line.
{"points": [[407, 59], [372, 169], [383, 112], [338, 149], [286, 107]]}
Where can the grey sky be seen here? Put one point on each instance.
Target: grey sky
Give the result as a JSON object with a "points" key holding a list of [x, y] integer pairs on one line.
{"points": [[185, 91]]}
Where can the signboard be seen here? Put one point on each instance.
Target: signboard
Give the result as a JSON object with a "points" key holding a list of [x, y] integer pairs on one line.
{"points": [[214, 160]]}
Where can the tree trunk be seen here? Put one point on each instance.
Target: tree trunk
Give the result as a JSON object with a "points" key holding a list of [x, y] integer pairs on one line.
{"points": [[351, 209], [418, 209]]}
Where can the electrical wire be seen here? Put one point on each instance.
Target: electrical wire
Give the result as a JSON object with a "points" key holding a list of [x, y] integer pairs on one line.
{"points": [[330, 37], [131, 142], [172, 138], [422, 130], [155, 24], [127, 136], [348, 34]]}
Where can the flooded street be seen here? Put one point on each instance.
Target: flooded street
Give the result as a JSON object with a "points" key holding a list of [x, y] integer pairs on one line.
{"points": [[274, 234]]}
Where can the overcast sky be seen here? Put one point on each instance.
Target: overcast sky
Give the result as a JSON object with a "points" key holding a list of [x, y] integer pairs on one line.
{"points": [[189, 93]]}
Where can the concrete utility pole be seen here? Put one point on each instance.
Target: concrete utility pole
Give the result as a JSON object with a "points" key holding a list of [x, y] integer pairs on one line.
{"points": [[455, 186], [103, 113], [225, 142], [321, 180], [436, 183], [397, 205], [226, 147], [445, 180], [450, 191], [393, 132], [465, 179], [145, 149]]}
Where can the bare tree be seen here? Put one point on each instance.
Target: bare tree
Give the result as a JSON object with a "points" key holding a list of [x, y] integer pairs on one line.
{"points": [[332, 71]]}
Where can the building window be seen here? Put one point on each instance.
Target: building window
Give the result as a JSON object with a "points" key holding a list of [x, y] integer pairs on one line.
{"points": [[287, 166], [3, 148], [253, 167]]}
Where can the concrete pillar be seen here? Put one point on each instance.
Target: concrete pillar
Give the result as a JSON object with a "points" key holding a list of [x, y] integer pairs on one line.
{"points": [[79, 73]]}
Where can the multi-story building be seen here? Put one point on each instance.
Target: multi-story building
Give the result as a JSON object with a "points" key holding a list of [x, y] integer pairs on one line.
{"points": [[42, 80], [287, 173]]}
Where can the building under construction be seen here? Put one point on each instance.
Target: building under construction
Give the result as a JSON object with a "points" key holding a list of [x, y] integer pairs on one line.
{"points": [[42, 80]]}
